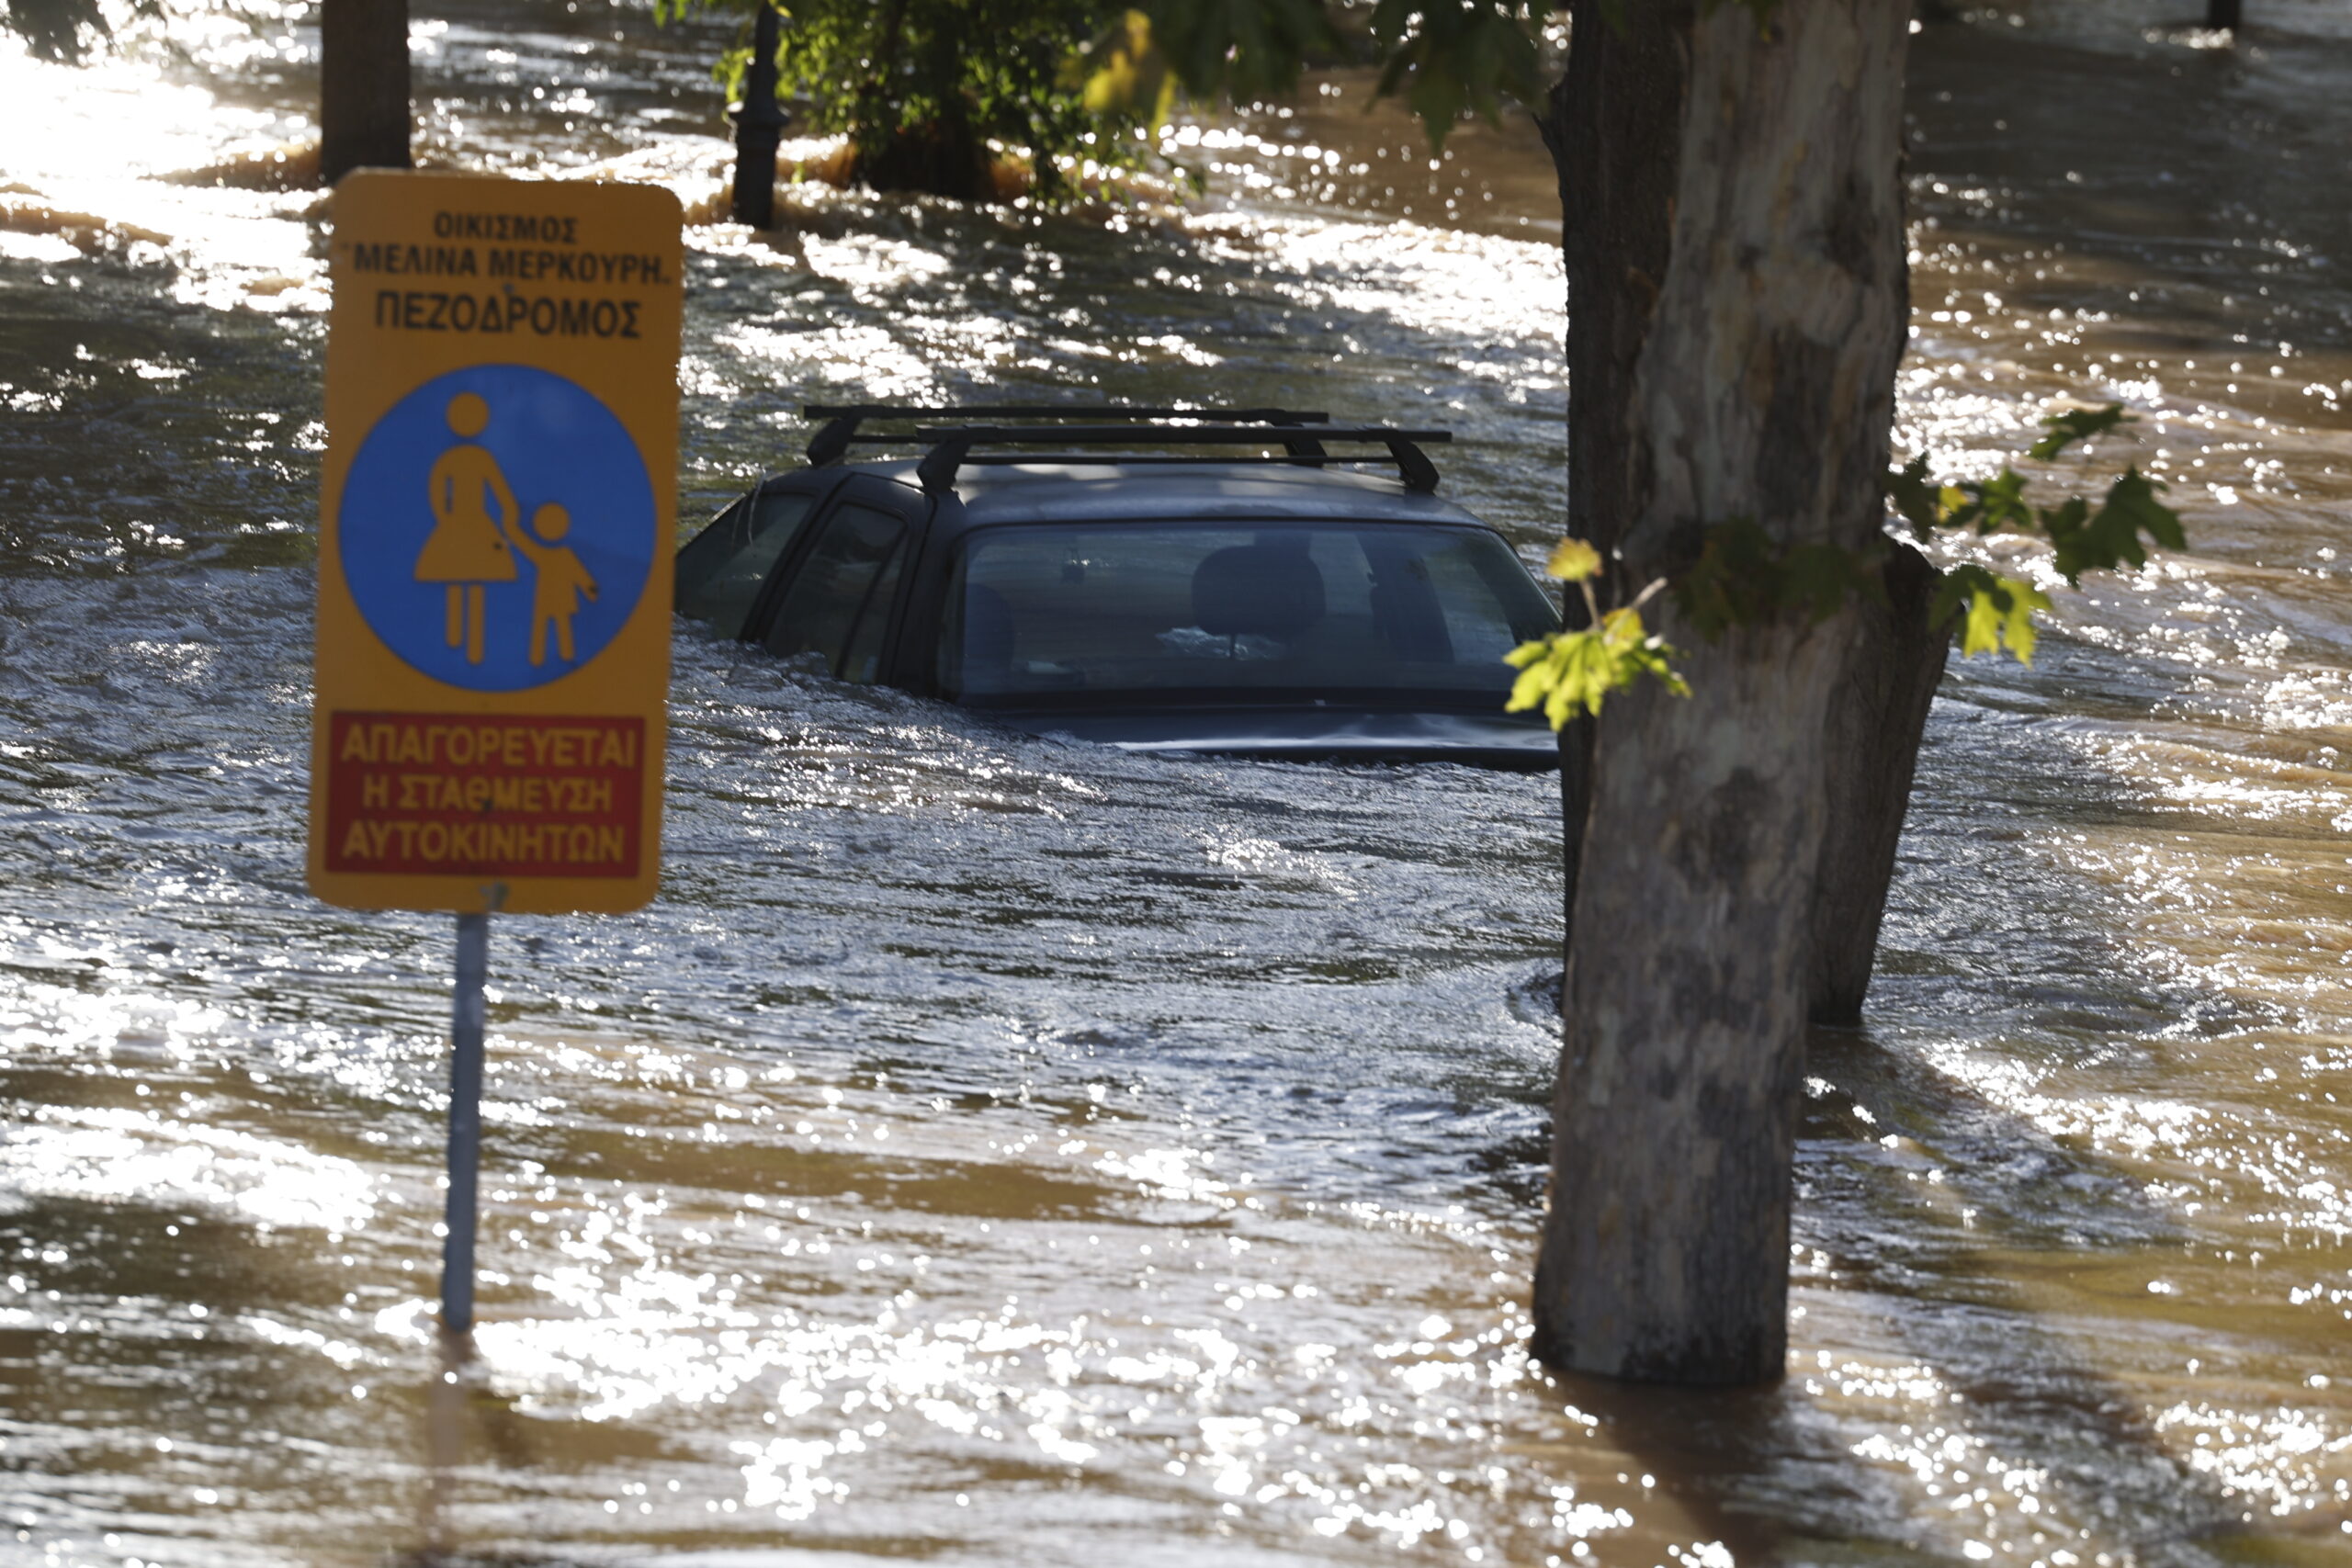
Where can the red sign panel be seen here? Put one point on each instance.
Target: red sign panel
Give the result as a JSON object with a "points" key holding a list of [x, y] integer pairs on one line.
{"points": [[496, 797]]}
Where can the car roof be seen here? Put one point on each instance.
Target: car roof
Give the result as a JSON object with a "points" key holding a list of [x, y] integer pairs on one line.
{"points": [[1109, 492]]}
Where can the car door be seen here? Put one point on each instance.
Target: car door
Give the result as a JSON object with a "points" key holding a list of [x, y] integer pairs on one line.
{"points": [[722, 572], [840, 594]]}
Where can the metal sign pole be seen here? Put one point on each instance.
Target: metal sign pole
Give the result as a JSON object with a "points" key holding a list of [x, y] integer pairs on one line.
{"points": [[445, 670], [466, 1019]]}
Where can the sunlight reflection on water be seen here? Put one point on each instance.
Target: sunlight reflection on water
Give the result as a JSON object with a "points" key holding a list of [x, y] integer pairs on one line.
{"points": [[997, 1150]]}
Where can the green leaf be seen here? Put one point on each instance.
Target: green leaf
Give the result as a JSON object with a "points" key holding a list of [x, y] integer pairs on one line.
{"points": [[2109, 539], [1124, 73], [1242, 50], [945, 79], [1461, 56], [2062, 430], [1745, 576], [2135, 495], [1574, 671], [1574, 560], [1958, 587], [2017, 621], [1999, 611], [1735, 581], [1918, 499], [1818, 579], [1981, 633], [1996, 505]]}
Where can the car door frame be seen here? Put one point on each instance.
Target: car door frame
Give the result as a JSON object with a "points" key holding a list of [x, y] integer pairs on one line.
{"points": [[816, 485], [911, 506]]}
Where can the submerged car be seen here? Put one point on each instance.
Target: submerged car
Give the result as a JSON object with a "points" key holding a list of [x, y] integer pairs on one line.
{"points": [[1271, 600]]}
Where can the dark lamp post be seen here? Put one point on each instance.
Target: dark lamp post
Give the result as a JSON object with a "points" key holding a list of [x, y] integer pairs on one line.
{"points": [[759, 125]]}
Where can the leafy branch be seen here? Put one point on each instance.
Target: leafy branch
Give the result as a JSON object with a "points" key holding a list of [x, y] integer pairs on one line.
{"points": [[1743, 577], [1576, 670], [929, 94], [1459, 56], [1446, 58], [1998, 611]]}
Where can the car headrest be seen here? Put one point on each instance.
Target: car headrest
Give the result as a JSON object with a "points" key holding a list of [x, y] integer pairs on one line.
{"points": [[988, 631], [1256, 590]]}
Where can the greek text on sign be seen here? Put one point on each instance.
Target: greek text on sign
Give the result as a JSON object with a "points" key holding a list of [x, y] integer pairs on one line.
{"points": [[494, 797], [496, 512]]}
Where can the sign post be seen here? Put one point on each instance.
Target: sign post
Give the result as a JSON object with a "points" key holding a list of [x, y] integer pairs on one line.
{"points": [[494, 595], [465, 1027]]}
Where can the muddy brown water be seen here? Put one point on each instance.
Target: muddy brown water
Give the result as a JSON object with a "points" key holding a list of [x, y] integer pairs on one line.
{"points": [[998, 1150]]}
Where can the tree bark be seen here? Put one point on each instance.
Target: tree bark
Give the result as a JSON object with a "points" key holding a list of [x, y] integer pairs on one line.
{"points": [[1576, 808], [363, 86], [941, 157], [1745, 370], [56, 29], [1877, 714], [1616, 193], [942, 154], [1611, 125]]}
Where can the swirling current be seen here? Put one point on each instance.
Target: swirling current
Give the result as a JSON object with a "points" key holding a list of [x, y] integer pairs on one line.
{"points": [[993, 1149]]}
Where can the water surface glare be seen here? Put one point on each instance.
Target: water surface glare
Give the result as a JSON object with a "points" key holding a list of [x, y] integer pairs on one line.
{"points": [[995, 1150]]}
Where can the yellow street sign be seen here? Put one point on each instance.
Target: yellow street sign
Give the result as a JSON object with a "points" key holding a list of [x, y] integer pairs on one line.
{"points": [[493, 612]]}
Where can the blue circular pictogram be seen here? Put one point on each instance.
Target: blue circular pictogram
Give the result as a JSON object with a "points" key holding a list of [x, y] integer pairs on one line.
{"points": [[497, 527]]}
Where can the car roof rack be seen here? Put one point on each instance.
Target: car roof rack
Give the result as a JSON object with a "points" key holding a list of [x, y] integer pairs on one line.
{"points": [[832, 441], [1303, 435]]}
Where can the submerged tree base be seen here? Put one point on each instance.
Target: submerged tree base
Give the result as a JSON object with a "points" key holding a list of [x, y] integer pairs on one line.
{"points": [[1876, 719], [1747, 261], [936, 158]]}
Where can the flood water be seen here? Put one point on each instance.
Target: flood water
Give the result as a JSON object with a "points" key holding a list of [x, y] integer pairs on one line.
{"points": [[993, 1150]]}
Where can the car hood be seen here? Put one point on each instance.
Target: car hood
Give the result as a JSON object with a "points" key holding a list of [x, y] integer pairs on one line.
{"points": [[1308, 733]]}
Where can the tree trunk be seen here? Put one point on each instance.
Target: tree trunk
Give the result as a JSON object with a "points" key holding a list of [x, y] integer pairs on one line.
{"points": [[1877, 715], [941, 157], [1576, 806], [943, 154], [363, 86], [1751, 377], [56, 29], [1615, 201]]}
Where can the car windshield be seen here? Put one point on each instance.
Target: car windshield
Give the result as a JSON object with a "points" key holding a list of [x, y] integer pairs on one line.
{"points": [[1065, 615]]}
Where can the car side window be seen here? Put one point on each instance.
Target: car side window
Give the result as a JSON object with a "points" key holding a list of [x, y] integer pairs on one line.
{"points": [[839, 601], [720, 574], [1485, 606], [863, 662]]}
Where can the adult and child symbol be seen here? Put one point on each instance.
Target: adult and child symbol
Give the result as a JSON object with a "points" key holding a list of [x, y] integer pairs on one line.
{"points": [[476, 531]]}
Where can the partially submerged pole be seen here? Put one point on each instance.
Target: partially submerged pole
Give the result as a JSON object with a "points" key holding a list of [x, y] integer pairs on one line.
{"points": [[2224, 15], [466, 1024], [363, 86], [759, 126]]}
